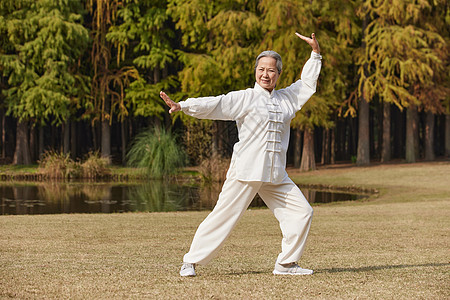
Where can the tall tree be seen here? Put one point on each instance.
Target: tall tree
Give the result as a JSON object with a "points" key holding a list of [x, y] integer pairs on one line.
{"points": [[386, 135], [46, 38], [280, 20], [336, 29], [429, 136], [412, 134], [343, 28], [447, 135], [108, 80], [144, 35], [404, 56], [363, 154], [218, 46]]}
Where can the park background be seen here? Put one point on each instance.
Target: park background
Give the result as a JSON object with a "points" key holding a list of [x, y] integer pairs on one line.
{"points": [[80, 76]]}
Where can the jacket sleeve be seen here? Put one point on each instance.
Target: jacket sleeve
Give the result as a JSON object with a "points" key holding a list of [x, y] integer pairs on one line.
{"points": [[300, 91], [223, 107]]}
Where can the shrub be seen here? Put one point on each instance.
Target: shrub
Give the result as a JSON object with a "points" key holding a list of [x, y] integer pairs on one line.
{"points": [[157, 151], [197, 139], [95, 167], [56, 165], [214, 168]]}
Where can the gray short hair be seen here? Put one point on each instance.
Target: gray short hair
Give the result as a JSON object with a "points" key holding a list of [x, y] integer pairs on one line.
{"points": [[273, 54]]}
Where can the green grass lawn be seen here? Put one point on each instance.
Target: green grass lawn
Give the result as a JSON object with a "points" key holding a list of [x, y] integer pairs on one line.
{"points": [[18, 170], [395, 245]]}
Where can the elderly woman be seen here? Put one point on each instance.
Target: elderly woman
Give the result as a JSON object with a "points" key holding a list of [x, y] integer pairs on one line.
{"points": [[258, 163]]}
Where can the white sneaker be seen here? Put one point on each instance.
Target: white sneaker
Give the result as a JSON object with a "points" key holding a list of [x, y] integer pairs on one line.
{"points": [[291, 269], [187, 269]]}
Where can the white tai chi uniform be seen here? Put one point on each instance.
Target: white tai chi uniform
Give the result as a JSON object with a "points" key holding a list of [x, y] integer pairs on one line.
{"points": [[258, 163]]}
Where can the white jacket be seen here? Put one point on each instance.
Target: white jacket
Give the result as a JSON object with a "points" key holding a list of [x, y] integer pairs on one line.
{"points": [[263, 123]]}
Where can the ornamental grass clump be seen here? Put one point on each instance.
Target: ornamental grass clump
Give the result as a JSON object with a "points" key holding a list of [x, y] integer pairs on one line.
{"points": [[95, 166], [57, 165], [157, 152], [214, 168]]}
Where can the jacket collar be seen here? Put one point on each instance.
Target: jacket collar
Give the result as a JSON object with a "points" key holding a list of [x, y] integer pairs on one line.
{"points": [[262, 90]]}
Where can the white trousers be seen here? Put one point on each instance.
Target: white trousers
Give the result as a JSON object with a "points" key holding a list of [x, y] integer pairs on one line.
{"points": [[286, 202]]}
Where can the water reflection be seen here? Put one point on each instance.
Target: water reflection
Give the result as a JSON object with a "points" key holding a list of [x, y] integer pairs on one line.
{"points": [[151, 196]]}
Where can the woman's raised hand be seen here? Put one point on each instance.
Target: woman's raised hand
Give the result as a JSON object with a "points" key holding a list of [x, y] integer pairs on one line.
{"points": [[311, 41], [174, 107]]}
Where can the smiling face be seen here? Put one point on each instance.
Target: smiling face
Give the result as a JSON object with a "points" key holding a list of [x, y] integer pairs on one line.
{"points": [[266, 73]]}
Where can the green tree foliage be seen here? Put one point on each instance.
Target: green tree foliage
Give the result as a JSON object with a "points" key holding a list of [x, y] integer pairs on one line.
{"points": [[108, 82], [219, 44], [406, 53], [339, 31], [330, 23], [336, 28], [42, 42], [403, 61], [143, 36], [381, 50]]}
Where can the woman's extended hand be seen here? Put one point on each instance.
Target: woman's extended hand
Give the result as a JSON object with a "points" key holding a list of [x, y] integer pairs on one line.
{"points": [[174, 107], [311, 41]]}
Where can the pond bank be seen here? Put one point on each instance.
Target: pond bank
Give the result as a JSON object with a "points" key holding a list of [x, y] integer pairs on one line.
{"points": [[115, 174], [11, 173]]}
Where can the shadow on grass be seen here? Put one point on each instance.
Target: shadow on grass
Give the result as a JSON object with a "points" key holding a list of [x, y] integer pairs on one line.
{"points": [[376, 268], [341, 270], [246, 273], [361, 269]]}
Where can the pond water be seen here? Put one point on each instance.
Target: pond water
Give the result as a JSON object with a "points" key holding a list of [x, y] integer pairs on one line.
{"points": [[152, 196]]}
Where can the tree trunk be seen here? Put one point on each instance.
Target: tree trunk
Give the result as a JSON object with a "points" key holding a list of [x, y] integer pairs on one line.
{"points": [[73, 139], [123, 135], [351, 148], [106, 133], [41, 142], [324, 138], [308, 159], [297, 148], [3, 133], [398, 132], [22, 153], [429, 136], [363, 154], [52, 137], [363, 149], [373, 141], [66, 137], [106, 139], [32, 145], [326, 147], [447, 135], [333, 147], [94, 136], [411, 145], [386, 140]]}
